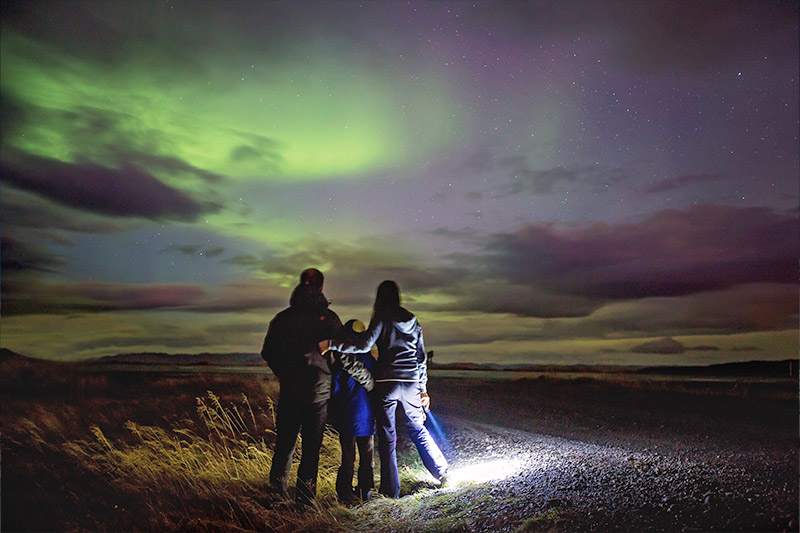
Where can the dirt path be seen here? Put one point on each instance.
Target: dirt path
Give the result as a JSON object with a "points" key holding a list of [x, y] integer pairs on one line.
{"points": [[588, 464], [587, 486]]}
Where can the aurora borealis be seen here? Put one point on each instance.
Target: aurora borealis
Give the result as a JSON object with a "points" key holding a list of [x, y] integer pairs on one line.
{"points": [[549, 182]]}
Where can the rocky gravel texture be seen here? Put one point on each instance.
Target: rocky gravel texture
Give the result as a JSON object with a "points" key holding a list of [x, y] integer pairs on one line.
{"points": [[597, 456], [596, 487]]}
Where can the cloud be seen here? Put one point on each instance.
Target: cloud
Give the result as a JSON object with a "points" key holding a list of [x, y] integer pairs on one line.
{"points": [[522, 179], [241, 296], [668, 253], [677, 182], [17, 256], [752, 307], [522, 299], [27, 295], [661, 346], [193, 250], [100, 135], [706, 268], [22, 209], [125, 192], [257, 151], [703, 348], [353, 271], [169, 165], [541, 181], [32, 297]]}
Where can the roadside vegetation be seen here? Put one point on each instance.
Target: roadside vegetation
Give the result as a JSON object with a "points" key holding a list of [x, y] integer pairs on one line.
{"points": [[140, 451], [146, 451], [157, 451]]}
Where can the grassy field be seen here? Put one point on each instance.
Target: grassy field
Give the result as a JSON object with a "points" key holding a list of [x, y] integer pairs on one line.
{"points": [[150, 451], [146, 452]]}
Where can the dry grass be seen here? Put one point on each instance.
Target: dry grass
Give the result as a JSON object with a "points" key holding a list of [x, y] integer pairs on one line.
{"points": [[142, 451], [220, 465], [147, 452]]}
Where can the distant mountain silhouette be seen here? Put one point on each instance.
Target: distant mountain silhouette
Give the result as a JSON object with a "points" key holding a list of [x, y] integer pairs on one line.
{"points": [[155, 358], [786, 367], [661, 346], [14, 362]]}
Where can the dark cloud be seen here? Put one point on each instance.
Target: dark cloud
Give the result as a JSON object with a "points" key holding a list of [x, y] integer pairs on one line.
{"points": [[26, 210], [744, 349], [245, 153], [196, 250], [522, 179], [541, 181], [103, 136], [677, 182], [172, 166], [125, 192], [669, 253], [33, 297], [17, 256], [24, 295], [661, 346], [14, 115], [257, 149], [703, 348], [752, 307]]}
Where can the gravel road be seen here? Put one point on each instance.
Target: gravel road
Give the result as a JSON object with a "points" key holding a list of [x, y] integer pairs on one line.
{"points": [[594, 456]]}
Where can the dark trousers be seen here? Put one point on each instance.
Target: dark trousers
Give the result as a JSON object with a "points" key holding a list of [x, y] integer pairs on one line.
{"points": [[366, 476], [387, 395], [307, 419]]}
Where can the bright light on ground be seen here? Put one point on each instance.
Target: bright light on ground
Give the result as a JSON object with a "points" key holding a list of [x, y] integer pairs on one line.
{"points": [[485, 471]]}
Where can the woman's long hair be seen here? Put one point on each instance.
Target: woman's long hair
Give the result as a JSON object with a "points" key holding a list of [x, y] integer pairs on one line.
{"points": [[387, 300]]}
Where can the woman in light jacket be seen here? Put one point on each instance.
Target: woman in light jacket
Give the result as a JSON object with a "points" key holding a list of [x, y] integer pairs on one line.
{"points": [[400, 378]]}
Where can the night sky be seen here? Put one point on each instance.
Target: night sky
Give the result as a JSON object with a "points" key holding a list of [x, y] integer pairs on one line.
{"points": [[549, 182]]}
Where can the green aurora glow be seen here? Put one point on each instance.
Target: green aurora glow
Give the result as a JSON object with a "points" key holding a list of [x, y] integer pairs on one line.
{"points": [[329, 120]]}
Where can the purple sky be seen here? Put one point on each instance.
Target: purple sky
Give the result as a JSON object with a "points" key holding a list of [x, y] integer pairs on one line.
{"points": [[549, 182]]}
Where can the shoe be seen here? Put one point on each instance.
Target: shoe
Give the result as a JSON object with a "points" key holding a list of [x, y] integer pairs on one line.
{"points": [[306, 492], [362, 494], [444, 480], [279, 488], [348, 499]]}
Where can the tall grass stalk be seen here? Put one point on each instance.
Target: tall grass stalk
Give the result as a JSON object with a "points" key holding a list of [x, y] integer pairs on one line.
{"points": [[221, 464]]}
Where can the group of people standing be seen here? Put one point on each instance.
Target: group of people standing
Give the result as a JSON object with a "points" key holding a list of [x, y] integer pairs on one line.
{"points": [[321, 363]]}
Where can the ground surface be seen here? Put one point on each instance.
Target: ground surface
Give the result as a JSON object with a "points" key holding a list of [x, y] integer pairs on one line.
{"points": [[563, 455], [591, 455]]}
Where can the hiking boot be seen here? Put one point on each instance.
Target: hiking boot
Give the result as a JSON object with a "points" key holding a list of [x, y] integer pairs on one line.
{"points": [[362, 494], [348, 499], [306, 491]]}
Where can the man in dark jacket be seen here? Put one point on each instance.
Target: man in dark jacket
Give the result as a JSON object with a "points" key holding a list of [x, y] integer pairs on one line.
{"points": [[292, 352]]}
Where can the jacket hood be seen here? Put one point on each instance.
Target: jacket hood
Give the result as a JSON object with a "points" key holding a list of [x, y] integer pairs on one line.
{"points": [[308, 297], [403, 319], [408, 326]]}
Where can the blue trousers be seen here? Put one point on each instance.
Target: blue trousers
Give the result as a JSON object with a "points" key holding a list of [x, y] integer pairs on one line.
{"points": [[387, 395]]}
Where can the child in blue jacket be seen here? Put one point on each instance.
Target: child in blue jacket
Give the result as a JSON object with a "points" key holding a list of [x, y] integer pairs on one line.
{"points": [[350, 413]]}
